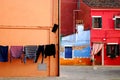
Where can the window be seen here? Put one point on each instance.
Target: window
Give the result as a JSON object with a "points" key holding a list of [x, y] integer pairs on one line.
{"points": [[113, 50], [97, 22], [117, 23], [68, 52]]}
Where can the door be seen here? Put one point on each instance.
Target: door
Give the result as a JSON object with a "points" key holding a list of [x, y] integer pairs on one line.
{"points": [[68, 52], [98, 58]]}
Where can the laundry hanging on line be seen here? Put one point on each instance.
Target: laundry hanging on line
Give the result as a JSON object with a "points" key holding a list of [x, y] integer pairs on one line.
{"points": [[45, 50], [3, 53]]}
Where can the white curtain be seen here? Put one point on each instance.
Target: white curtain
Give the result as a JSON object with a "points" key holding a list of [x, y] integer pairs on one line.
{"points": [[96, 48]]}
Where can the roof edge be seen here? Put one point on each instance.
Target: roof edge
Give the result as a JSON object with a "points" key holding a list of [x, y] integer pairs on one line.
{"points": [[107, 9]]}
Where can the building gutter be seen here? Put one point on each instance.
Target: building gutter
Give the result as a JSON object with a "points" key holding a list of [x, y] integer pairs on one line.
{"points": [[105, 9]]}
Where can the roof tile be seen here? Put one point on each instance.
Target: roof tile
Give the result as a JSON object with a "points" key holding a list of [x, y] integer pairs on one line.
{"points": [[103, 3]]}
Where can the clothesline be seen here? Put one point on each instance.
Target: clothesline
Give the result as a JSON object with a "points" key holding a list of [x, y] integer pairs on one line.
{"points": [[15, 51]]}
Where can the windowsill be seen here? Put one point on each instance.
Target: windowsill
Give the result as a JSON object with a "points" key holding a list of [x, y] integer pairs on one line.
{"points": [[97, 28], [68, 58], [117, 28]]}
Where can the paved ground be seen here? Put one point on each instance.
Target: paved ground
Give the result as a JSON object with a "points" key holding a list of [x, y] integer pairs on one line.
{"points": [[79, 73], [90, 73]]}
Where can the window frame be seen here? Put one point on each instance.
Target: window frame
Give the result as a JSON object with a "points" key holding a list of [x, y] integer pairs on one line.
{"points": [[98, 21], [109, 52], [115, 22], [65, 53]]}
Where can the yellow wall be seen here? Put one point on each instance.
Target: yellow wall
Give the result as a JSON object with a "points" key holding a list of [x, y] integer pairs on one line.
{"points": [[28, 22]]}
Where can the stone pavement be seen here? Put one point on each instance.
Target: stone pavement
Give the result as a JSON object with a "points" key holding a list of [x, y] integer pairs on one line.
{"points": [[90, 73], [79, 73]]}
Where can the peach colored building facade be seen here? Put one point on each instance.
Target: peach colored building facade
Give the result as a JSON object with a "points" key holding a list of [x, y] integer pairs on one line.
{"points": [[29, 22]]}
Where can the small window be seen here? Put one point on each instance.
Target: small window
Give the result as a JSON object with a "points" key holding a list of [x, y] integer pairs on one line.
{"points": [[113, 50], [97, 22], [68, 52], [117, 23]]}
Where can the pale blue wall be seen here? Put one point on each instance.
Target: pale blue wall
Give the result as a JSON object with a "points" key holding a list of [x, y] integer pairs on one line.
{"points": [[79, 39]]}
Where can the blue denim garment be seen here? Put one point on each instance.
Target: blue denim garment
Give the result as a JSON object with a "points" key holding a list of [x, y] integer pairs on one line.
{"points": [[3, 53]]}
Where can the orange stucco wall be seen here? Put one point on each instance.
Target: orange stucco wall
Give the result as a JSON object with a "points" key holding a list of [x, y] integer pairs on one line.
{"points": [[75, 61], [29, 22], [24, 36], [26, 12]]}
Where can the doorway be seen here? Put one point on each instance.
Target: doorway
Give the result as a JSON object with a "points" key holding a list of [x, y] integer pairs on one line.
{"points": [[98, 58], [68, 52]]}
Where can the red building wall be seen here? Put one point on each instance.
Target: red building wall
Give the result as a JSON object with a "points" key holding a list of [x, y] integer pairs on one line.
{"points": [[107, 31], [66, 16], [84, 15]]}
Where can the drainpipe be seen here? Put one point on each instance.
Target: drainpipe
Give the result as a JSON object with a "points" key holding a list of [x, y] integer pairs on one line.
{"points": [[78, 4], [74, 22], [76, 33]]}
